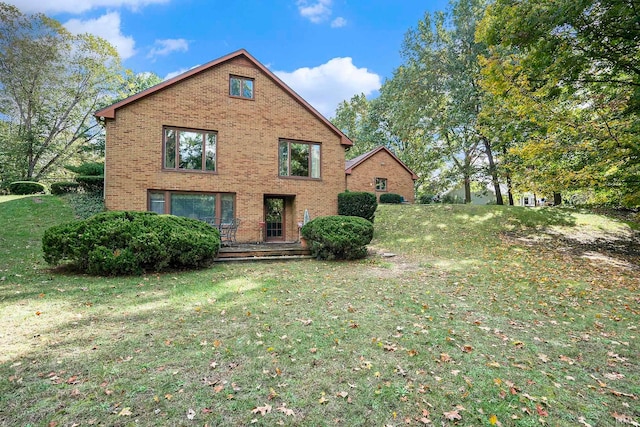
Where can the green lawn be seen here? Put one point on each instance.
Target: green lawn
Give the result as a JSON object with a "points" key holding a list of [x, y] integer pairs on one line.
{"points": [[486, 316]]}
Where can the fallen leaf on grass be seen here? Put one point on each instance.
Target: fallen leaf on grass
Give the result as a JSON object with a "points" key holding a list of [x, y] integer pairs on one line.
{"points": [[613, 376], [288, 412], [452, 415], [584, 422], [625, 419], [619, 393], [444, 357], [266, 409], [541, 411], [342, 394], [543, 357], [390, 347], [125, 412], [191, 414], [569, 360]]}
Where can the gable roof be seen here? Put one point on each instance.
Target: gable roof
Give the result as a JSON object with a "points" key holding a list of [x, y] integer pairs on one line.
{"points": [[356, 161], [110, 111]]}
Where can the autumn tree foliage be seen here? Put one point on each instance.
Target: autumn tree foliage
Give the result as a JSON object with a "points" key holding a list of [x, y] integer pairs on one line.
{"points": [[566, 77]]}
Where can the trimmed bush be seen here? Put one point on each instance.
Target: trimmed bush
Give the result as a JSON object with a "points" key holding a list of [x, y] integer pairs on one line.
{"points": [[91, 183], [90, 176], [391, 198], [338, 237], [356, 203], [88, 169], [120, 243], [26, 187], [426, 199], [64, 187]]}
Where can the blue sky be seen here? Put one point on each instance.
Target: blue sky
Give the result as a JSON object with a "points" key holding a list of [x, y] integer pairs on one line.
{"points": [[326, 50]]}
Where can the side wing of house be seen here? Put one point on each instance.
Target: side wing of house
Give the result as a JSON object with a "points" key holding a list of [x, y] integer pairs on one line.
{"points": [[379, 171], [224, 142]]}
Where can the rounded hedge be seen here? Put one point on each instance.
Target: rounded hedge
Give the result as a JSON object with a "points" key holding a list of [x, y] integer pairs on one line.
{"points": [[391, 198], [120, 243], [338, 237], [26, 187], [357, 203]]}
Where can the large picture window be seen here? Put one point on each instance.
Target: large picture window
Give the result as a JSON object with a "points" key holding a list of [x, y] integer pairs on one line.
{"points": [[214, 208], [241, 87], [186, 149], [299, 159]]}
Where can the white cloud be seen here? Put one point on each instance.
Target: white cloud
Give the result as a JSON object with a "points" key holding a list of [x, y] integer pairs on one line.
{"points": [[339, 22], [78, 6], [166, 46], [326, 85], [178, 72], [317, 11], [108, 27]]}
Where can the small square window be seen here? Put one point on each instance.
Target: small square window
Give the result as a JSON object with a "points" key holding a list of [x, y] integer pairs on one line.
{"points": [[242, 87], [381, 184]]}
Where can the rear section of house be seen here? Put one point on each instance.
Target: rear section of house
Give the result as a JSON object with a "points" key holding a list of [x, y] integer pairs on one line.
{"points": [[227, 141], [379, 171]]}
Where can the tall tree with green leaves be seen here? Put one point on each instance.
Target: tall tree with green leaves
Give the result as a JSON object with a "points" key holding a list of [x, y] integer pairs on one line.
{"points": [[571, 70], [51, 82], [355, 118], [440, 94]]}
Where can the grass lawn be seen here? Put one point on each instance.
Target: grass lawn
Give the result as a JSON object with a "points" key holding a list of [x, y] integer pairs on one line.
{"points": [[486, 316]]}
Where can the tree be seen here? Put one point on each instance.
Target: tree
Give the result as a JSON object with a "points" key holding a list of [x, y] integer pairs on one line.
{"points": [[51, 81], [354, 119], [570, 70], [441, 97]]}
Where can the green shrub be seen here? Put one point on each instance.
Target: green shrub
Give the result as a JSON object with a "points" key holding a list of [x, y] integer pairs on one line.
{"points": [[338, 237], [91, 183], [391, 198], [26, 187], [117, 243], [88, 169], [90, 176], [426, 199], [357, 203], [86, 204], [64, 187]]}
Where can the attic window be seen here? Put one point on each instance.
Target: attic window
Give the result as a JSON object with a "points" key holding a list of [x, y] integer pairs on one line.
{"points": [[241, 87], [381, 184]]}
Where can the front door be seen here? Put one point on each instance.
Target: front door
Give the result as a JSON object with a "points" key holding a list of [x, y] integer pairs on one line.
{"points": [[274, 218]]}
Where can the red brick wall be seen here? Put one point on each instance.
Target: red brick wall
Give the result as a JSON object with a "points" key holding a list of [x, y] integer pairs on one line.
{"points": [[381, 165], [247, 147]]}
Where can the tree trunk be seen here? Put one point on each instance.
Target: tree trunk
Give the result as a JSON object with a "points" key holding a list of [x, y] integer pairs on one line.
{"points": [[557, 199], [493, 171], [509, 192], [467, 189]]}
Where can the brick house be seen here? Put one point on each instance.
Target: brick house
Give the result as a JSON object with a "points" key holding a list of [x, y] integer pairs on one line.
{"points": [[380, 171], [222, 141]]}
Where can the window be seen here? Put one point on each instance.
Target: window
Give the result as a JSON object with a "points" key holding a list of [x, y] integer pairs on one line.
{"points": [[213, 208], [299, 159], [241, 87], [190, 149], [381, 184]]}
